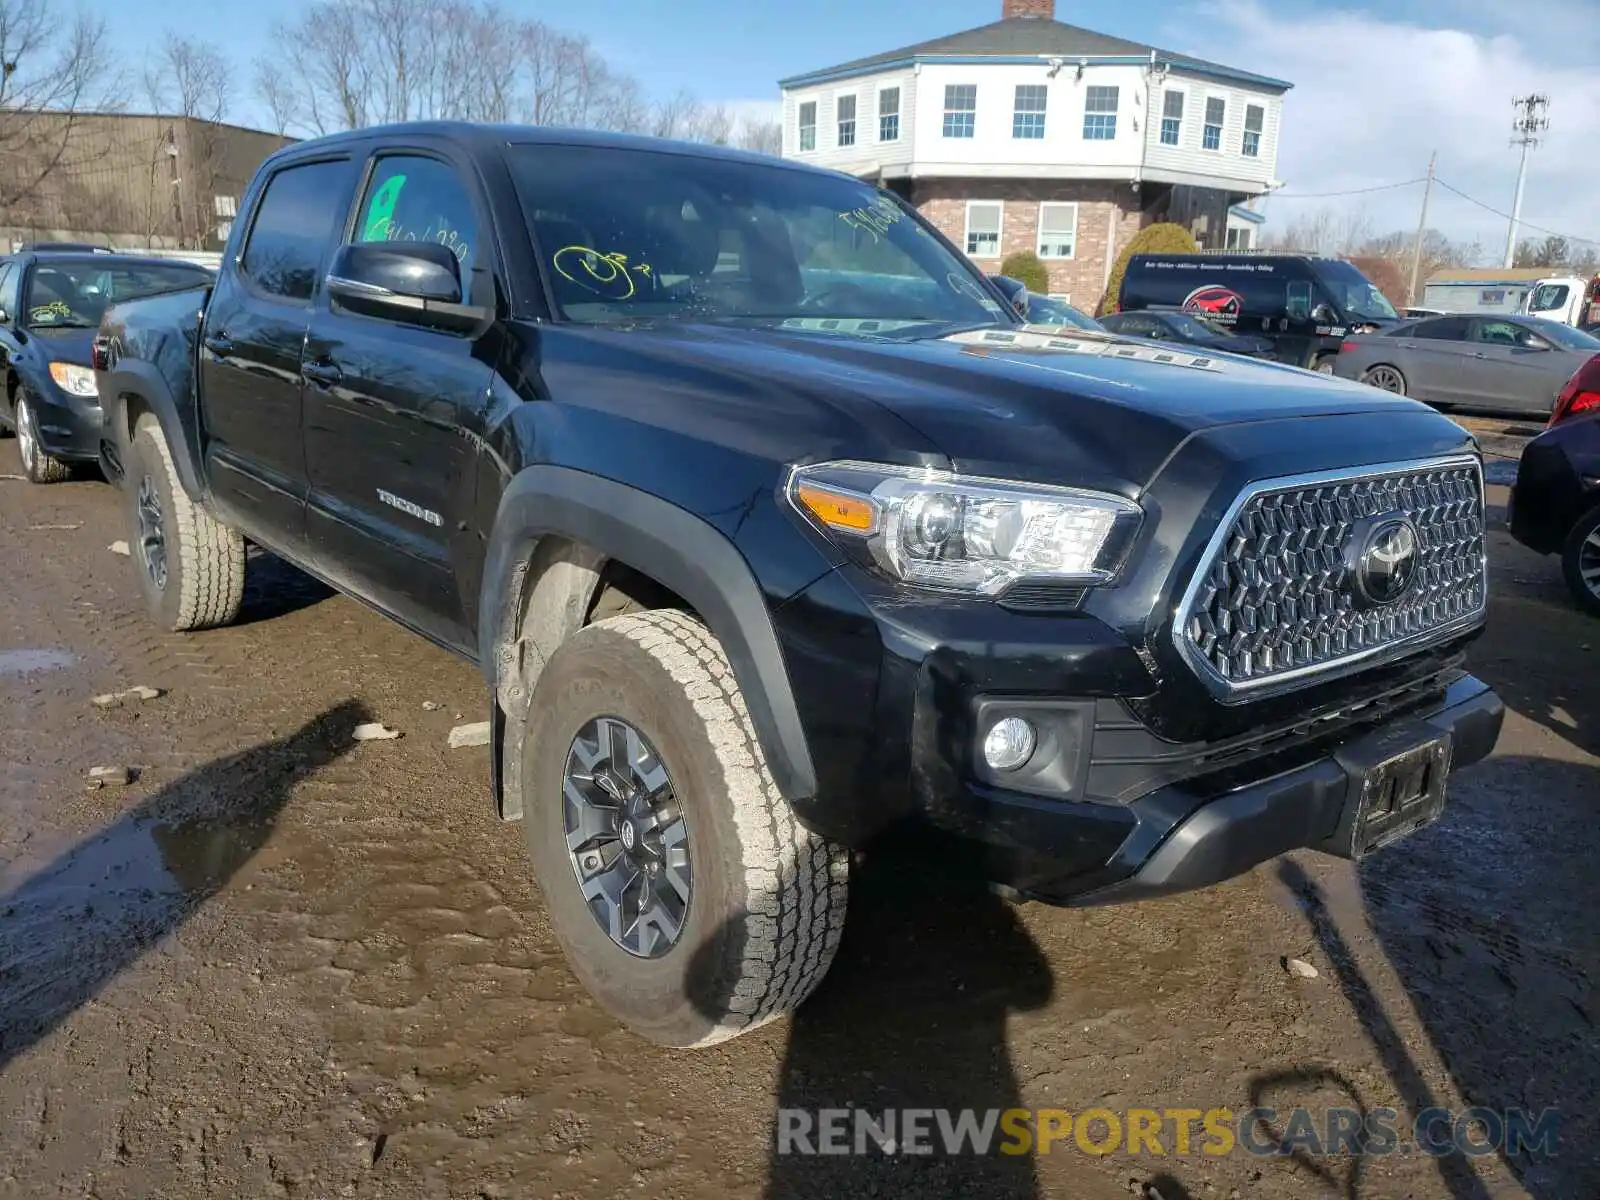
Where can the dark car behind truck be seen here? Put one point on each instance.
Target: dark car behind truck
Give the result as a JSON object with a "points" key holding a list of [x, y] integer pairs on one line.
{"points": [[773, 533], [1304, 305]]}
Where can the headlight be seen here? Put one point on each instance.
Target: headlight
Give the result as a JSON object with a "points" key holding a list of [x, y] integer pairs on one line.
{"points": [[78, 381], [966, 534]]}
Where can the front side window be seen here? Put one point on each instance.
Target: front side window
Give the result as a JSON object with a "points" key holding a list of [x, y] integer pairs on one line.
{"points": [[1058, 230], [808, 125], [1216, 110], [889, 115], [295, 227], [1100, 114], [1171, 118], [983, 228], [846, 115], [1254, 118], [1027, 119], [960, 110], [634, 237], [411, 199]]}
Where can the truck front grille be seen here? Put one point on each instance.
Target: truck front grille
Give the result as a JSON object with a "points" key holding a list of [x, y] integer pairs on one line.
{"points": [[1304, 575]]}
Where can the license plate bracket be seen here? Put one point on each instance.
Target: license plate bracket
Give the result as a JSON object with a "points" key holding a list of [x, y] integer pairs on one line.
{"points": [[1397, 786]]}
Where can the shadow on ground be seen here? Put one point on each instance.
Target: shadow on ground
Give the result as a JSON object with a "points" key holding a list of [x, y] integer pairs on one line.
{"points": [[69, 929], [913, 1015], [273, 588]]}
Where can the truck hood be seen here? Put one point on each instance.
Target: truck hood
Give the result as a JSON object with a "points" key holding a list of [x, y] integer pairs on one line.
{"points": [[1101, 412]]}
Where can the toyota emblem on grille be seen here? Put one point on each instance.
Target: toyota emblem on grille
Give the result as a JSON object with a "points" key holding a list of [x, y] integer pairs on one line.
{"points": [[1387, 564]]}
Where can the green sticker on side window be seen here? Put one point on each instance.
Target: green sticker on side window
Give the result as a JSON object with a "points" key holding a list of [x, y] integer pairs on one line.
{"points": [[380, 210]]}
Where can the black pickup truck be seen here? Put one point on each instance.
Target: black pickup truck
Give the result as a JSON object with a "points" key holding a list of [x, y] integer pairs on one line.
{"points": [[773, 532]]}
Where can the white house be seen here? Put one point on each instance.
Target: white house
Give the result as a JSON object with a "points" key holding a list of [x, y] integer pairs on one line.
{"points": [[1030, 134]]}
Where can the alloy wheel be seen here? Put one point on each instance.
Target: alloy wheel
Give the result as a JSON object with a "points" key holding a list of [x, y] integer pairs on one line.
{"points": [[626, 837], [1589, 562], [1386, 379], [152, 533], [27, 437]]}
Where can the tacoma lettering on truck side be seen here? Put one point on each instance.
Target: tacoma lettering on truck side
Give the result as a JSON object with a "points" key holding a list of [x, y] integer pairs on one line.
{"points": [[773, 533]]}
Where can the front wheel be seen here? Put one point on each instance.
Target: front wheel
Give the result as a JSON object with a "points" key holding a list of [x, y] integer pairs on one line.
{"points": [[37, 466], [1385, 378], [1580, 561], [190, 566], [687, 898], [1323, 365]]}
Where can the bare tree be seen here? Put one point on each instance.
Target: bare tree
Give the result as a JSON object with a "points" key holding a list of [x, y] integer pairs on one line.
{"points": [[762, 137], [190, 81], [54, 67]]}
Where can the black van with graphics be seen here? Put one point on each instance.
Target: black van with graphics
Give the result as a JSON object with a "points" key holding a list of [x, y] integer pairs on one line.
{"points": [[1305, 305]]}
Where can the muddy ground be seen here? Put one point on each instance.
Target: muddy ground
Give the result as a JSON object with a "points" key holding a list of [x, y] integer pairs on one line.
{"points": [[284, 964]]}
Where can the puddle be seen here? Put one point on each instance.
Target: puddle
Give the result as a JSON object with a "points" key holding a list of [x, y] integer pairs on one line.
{"points": [[29, 662]]}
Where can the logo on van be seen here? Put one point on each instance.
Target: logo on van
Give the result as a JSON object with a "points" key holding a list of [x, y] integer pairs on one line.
{"points": [[1214, 300]]}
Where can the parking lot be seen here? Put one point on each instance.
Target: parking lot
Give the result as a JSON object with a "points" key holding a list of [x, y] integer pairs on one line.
{"points": [[281, 962]]}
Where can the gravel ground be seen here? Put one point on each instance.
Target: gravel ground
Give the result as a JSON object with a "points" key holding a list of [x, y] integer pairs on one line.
{"points": [[284, 963]]}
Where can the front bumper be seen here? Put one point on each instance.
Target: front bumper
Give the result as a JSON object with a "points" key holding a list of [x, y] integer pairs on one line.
{"points": [[69, 426]]}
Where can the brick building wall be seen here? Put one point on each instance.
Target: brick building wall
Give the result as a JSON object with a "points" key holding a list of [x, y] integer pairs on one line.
{"points": [[1107, 212]]}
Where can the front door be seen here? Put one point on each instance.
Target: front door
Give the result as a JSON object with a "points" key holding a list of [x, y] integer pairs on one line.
{"points": [[251, 344], [391, 479]]}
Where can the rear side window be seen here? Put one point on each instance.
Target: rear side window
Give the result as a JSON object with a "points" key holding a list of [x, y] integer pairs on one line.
{"points": [[1445, 329], [414, 199], [295, 225]]}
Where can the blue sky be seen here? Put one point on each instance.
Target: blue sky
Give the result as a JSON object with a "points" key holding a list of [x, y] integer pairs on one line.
{"points": [[1377, 86]]}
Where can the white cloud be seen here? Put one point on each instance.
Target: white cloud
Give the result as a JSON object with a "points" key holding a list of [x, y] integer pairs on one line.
{"points": [[1373, 97]]}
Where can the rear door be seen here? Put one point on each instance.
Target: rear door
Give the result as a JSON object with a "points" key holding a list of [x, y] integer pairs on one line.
{"points": [[254, 335], [391, 473], [1434, 357]]}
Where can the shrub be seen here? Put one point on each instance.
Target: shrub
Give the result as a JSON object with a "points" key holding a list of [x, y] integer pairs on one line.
{"points": [[1164, 238], [1027, 267]]}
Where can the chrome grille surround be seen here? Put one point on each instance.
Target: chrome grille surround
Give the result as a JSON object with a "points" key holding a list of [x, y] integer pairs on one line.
{"points": [[1274, 602]]}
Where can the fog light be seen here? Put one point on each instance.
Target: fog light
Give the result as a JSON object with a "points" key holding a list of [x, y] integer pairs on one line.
{"points": [[1009, 743]]}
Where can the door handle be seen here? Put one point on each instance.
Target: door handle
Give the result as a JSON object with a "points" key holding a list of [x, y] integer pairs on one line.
{"points": [[1479, 354], [323, 374], [219, 343]]}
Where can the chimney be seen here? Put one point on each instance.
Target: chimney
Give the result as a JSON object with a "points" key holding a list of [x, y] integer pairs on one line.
{"points": [[1028, 8]]}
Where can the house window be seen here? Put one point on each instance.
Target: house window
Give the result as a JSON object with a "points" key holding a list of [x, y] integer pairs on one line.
{"points": [[1254, 116], [1027, 119], [983, 228], [889, 115], [1216, 108], [845, 107], [1171, 118], [1058, 230], [1238, 239], [808, 125], [1100, 114], [960, 109]]}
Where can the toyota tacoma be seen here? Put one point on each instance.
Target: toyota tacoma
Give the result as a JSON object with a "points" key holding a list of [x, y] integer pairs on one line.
{"points": [[774, 532]]}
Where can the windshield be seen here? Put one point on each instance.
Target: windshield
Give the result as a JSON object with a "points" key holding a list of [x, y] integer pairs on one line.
{"points": [[1042, 310], [72, 294], [1353, 292], [1194, 329], [1564, 336], [637, 235]]}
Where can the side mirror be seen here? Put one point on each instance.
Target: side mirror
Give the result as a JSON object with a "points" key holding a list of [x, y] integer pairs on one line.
{"points": [[1323, 314], [1015, 292], [415, 282]]}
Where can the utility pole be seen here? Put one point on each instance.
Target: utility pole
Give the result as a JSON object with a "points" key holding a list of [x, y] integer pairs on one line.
{"points": [[1528, 124], [1422, 225]]}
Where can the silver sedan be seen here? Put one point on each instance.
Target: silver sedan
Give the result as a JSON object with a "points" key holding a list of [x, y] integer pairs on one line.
{"points": [[1469, 360]]}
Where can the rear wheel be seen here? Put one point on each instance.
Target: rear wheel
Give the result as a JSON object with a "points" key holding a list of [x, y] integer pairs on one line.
{"points": [[1323, 365], [1385, 378], [190, 566], [689, 901], [38, 466], [1580, 561]]}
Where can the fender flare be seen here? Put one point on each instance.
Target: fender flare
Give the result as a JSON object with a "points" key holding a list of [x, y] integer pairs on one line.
{"points": [[133, 377], [677, 549]]}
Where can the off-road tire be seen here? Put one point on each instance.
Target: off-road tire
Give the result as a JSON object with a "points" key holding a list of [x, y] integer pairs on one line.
{"points": [[1573, 561], [205, 559], [37, 466], [767, 904]]}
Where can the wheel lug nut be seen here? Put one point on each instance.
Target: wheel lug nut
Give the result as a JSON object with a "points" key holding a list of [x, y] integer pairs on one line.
{"points": [[592, 861]]}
